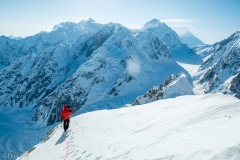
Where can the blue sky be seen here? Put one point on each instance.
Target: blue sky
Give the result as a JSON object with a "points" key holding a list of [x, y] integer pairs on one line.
{"points": [[209, 20]]}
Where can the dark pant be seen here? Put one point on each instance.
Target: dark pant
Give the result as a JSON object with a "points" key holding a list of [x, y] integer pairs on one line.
{"points": [[66, 124]]}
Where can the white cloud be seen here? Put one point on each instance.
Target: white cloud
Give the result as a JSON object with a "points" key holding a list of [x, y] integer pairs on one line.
{"points": [[133, 67], [181, 29], [181, 26], [176, 21]]}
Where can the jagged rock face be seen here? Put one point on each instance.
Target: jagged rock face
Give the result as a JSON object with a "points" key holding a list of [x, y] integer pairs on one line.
{"points": [[152, 45], [220, 69], [175, 85], [235, 85], [46, 61], [84, 67], [39, 64], [33, 77]]}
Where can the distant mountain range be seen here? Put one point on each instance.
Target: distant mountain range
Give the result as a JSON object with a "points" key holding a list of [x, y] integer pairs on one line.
{"points": [[85, 64], [219, 73], [95, 66]]}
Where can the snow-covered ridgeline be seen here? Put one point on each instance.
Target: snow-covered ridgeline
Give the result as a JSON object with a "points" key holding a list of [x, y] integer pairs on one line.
{"points": [[64, 33], [188, 38], [220, 71], [175, 85], [186, 127]]}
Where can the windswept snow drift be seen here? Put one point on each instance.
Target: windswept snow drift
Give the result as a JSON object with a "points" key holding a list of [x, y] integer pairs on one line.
{"points": [[186, 127]]}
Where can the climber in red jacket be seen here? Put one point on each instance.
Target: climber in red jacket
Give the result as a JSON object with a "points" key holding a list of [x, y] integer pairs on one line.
{"points": [[65, 116]]}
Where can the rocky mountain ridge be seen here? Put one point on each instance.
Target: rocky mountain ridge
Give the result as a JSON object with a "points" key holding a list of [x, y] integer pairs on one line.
{"points": [[220, 70], [84, 64], [92, 66]]}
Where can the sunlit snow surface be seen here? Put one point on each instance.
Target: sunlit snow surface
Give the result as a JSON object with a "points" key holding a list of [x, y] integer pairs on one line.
{"points": [[184, 128], [190, 68]]}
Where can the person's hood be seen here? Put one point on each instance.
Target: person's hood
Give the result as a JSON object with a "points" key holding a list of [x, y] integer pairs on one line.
{"points": [[64, 107]]}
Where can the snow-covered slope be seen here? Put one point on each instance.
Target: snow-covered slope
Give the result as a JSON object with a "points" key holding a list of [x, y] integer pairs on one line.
{"points": [[220, 71], [184, 128], [188, 38], [175, 85]]}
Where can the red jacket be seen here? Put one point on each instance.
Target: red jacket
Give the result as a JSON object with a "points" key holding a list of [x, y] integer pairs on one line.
{"points": [[66, 113]]}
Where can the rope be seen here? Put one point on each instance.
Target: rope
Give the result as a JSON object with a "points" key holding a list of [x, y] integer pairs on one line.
{"points": [[67, 150], [67, 144]]}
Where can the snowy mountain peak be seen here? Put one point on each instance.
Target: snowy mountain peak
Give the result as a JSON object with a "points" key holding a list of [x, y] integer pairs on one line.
{"points": [[14, 37], [112, 24], [163, 32], [66, 25], [188, 38], [154, 23], [90, 21], [233, 40], [186, 33], [83, 26], [236, 34]]}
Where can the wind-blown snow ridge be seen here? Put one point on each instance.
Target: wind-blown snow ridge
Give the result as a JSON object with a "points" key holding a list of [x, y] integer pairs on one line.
{"points": [[184, 128]]}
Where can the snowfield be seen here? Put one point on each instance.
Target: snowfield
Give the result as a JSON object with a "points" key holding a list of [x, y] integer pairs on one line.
{"points": [[194, 127]]}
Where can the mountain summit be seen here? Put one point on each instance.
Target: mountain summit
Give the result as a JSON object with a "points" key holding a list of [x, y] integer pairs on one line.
{"points": [[190, 39], [154, 23]]}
